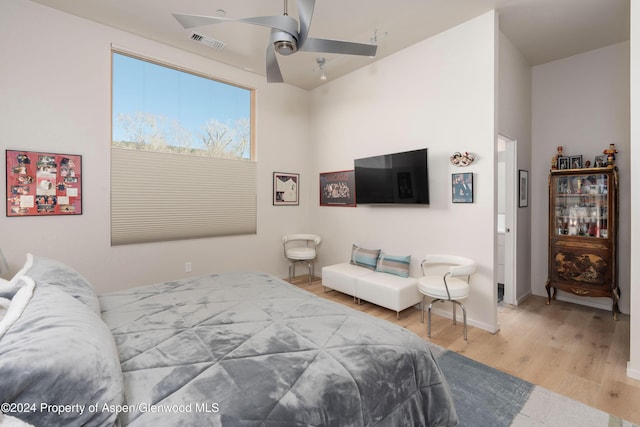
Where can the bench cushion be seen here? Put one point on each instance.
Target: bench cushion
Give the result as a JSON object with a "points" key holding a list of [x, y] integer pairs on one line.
{"points": [[389, 291], [342, 277]]}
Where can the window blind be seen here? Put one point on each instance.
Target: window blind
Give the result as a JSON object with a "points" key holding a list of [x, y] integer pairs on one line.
{"points": [[161, 197]]}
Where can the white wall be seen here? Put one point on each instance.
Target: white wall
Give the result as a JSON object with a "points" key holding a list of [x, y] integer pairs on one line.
{"points": [[440, 94], [55, 82], [581, 103], [514, 121], [633, 369]]}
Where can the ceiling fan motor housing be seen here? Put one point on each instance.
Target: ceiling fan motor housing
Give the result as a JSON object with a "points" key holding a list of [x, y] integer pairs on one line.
{"points": [[284, 43]]}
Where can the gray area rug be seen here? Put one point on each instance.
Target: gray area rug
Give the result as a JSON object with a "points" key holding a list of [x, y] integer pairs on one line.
{"points": [[487, 397]]}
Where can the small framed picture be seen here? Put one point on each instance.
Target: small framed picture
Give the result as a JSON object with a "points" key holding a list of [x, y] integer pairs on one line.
{"points": [[286, 189], [600, 161], [563, 162], [575, 162], [523, 188], [462, 187], [338, 188]]}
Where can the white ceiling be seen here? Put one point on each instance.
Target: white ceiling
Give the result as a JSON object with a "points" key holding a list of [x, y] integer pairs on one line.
{"points": [[543, 30]]}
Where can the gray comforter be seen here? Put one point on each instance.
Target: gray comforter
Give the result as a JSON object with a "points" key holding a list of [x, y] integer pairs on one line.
{"points": [[247, 349]]}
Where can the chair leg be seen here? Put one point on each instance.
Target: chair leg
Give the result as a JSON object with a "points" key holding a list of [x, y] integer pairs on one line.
{"points": [[422, 308], [454, 313], [310, 265], [429, 320], [464, 319], [291, 269]]}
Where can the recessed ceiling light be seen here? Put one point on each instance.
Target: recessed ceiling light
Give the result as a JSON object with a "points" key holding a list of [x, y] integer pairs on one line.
{"points": [[221, 12]]}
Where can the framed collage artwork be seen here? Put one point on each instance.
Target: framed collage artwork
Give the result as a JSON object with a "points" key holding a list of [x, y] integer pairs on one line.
{"points": [[42, 184]]}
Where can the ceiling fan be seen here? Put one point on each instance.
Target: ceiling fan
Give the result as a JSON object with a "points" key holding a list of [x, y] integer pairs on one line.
{"points": [[285, 37]]}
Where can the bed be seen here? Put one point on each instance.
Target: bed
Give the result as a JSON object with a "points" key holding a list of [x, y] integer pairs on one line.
{"points": [[238, 349]]}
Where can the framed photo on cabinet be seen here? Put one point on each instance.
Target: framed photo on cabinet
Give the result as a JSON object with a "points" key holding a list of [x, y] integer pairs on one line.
{"points": [[575, 162], [563, 162], [600, 161]]}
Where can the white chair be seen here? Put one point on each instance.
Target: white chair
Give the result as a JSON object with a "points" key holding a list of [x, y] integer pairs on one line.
{"points": [[301, 248], [448, 280]]}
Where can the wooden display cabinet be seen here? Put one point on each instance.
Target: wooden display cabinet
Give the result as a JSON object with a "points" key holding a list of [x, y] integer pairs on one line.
{"points": [[583, 233]]}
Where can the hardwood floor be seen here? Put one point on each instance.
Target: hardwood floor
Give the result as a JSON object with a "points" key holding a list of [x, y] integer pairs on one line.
{"points": [[570, 349]]}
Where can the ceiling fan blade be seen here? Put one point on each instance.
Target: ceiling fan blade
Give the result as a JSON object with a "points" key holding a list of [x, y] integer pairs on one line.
{"points": [[305, 13], [340, 47], [273, 69], [282, 22]]}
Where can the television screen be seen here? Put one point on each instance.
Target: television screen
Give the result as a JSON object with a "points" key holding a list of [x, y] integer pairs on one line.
{"points": [[393, 178]]}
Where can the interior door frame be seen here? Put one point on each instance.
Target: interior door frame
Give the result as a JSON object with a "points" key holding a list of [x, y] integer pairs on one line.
{"points": [[511, 219]]}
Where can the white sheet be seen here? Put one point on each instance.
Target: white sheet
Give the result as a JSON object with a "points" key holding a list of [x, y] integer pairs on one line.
{"points": [[11, 309]]}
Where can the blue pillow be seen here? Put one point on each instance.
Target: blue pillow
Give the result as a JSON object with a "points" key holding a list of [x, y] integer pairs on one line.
{"points": [[367, 258], [394, 264]]}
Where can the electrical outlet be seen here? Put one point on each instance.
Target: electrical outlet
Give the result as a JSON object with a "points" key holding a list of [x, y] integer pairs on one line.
{"points": [[187, 267]]}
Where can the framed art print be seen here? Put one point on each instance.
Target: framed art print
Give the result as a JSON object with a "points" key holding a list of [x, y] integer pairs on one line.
{"points": [[462, 187], [523, 188], [42, 184], [286, 189], [338, 188]]}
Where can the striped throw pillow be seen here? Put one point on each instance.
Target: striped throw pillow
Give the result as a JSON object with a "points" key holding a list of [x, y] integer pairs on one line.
{"points": [[394, 264], [367, 258]]}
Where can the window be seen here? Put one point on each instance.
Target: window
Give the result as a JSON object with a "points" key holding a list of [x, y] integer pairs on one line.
{"points": [[182, 155]]}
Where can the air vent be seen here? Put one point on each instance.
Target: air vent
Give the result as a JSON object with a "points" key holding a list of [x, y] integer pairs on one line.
{"points": [[212, 43]]}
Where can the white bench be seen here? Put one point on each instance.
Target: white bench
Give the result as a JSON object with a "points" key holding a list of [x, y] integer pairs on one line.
{"points": [[383, 289]]}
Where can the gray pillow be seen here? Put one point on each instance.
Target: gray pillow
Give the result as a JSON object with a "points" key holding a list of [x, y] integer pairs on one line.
{"points": [[49, 272], [60, 352]]}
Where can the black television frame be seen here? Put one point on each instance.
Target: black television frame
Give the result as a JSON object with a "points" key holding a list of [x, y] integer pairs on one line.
{"points": [[394, 178]]}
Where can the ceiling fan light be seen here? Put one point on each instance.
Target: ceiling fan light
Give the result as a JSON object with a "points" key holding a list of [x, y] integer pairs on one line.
{"points": [[321, 61]]}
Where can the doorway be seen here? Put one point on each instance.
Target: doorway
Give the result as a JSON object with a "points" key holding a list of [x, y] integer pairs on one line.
{"points": [[507, 219]]}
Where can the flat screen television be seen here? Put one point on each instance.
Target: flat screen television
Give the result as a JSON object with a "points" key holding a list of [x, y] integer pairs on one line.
{"points": [[397, 178]]}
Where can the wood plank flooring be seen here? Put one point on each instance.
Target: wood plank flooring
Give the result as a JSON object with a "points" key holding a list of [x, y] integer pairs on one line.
{"points": [[576, 351]]}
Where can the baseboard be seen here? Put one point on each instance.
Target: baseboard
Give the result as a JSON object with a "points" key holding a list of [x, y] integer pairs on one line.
{"points": [[600, 303], [632, 372], [523, 297], [470, 322]]}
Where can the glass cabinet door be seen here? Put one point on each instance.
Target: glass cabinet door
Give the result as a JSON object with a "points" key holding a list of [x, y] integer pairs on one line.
{"points": [[581, 205]]}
